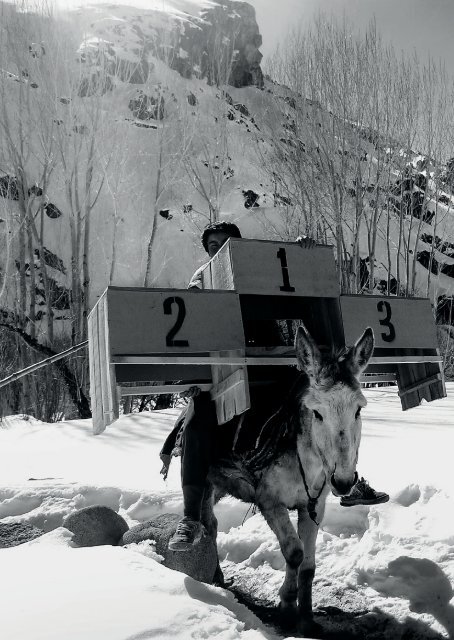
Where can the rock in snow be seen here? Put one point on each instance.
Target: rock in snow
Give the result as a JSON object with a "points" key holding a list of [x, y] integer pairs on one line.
{"points": [[15, 533], [199, 563], [95, 525]]}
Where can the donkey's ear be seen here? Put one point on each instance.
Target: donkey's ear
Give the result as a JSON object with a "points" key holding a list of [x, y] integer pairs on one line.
{"points": [[307, 352], [359, 355]]}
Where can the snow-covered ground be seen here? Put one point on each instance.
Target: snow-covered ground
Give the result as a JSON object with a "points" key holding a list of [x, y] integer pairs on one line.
{"points": [[382, 572]]}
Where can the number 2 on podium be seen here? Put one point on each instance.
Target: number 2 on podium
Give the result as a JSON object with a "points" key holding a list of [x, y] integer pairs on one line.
{"points": [[170, 341]]}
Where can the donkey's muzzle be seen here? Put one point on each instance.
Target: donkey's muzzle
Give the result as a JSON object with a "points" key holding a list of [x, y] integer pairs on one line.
{"points": [[341, 486]]}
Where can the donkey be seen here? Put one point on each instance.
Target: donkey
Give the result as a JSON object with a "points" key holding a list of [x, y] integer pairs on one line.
{"points": [[307, 448]]}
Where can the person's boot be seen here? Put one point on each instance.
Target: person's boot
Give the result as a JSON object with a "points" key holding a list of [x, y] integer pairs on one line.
{"points": [[189, 530], [362, 493], [188, 533]]}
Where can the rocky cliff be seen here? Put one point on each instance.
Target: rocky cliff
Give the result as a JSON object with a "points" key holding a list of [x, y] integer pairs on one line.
{"points": [[217, 41]]}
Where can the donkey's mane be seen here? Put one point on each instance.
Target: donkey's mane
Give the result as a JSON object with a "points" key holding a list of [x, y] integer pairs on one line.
{"points": [[279, 432]]}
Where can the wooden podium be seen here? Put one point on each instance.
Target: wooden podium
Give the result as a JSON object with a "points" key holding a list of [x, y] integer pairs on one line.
{"points": [[255, 293], [406, 347], [151, 341]]}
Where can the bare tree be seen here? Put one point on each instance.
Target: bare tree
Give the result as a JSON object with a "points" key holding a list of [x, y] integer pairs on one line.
{"points": [[164, 157], [36, 136], [207, 159], [27, 162], [353, 113]]}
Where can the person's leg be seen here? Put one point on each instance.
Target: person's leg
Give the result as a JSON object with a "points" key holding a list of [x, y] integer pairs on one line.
{"points": [[197, 453]]}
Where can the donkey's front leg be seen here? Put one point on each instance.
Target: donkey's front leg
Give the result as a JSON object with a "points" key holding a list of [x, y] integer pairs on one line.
{"points": [[307, 531], [279, 522]]}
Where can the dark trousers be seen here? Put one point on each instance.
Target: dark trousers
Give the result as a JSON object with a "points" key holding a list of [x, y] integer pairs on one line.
{"points": [[198, 452]]}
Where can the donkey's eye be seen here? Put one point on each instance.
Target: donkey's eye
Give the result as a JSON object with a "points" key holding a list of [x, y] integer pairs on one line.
{"points": [[318, 415], [358, 412]]}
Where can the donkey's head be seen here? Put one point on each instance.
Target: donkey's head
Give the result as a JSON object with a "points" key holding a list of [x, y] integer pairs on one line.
{"points": [[333, 402]]}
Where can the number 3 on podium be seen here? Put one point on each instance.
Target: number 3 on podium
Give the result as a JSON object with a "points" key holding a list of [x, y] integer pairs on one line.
{"points": [[384, 305]]}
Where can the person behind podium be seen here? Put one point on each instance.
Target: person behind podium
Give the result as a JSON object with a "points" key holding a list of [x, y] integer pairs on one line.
{"points": [[197, 424]]}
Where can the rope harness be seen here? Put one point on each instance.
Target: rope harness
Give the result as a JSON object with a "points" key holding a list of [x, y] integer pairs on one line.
{"points": [[312, 504]]}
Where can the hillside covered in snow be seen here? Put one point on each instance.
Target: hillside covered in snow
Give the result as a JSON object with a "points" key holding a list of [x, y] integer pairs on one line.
{"points": [[127, 128], [142, 124]]}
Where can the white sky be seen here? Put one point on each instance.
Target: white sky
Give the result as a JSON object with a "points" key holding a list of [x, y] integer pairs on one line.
{"points": [[422, 24]]}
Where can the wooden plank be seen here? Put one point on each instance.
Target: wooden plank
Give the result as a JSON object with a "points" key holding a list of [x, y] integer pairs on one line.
{"points": [[100, 389], [439, 388], [217, 273], [374, 378], [168, 372], [398, 323], [420, 385], [285, 269], [406, 376], [254, 360], [95, 373], [151, 390], [173, 321], [104, 364], [230, 388], [412, 378], [113, 405], [234, 379], [103, 390], [91, 359]]}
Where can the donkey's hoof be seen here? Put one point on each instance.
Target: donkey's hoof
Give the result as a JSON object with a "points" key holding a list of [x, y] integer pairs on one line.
{"points": [[310, 629], [288, 615], [220, 581]]}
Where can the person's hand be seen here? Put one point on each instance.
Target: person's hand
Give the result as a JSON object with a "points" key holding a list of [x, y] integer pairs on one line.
{"points": [[165, 464], [190, 393], [305, 242]]}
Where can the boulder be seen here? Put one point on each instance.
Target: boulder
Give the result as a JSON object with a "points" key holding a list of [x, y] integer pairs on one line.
{"points": [[52, 211], [192, 99], [251, 199], [242, 109], [95, 525], [199, 563], [147, 107], [15, 533]]}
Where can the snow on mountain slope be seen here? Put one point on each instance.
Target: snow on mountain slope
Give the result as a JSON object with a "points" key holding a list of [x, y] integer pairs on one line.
{"points": [[133, 83]]}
